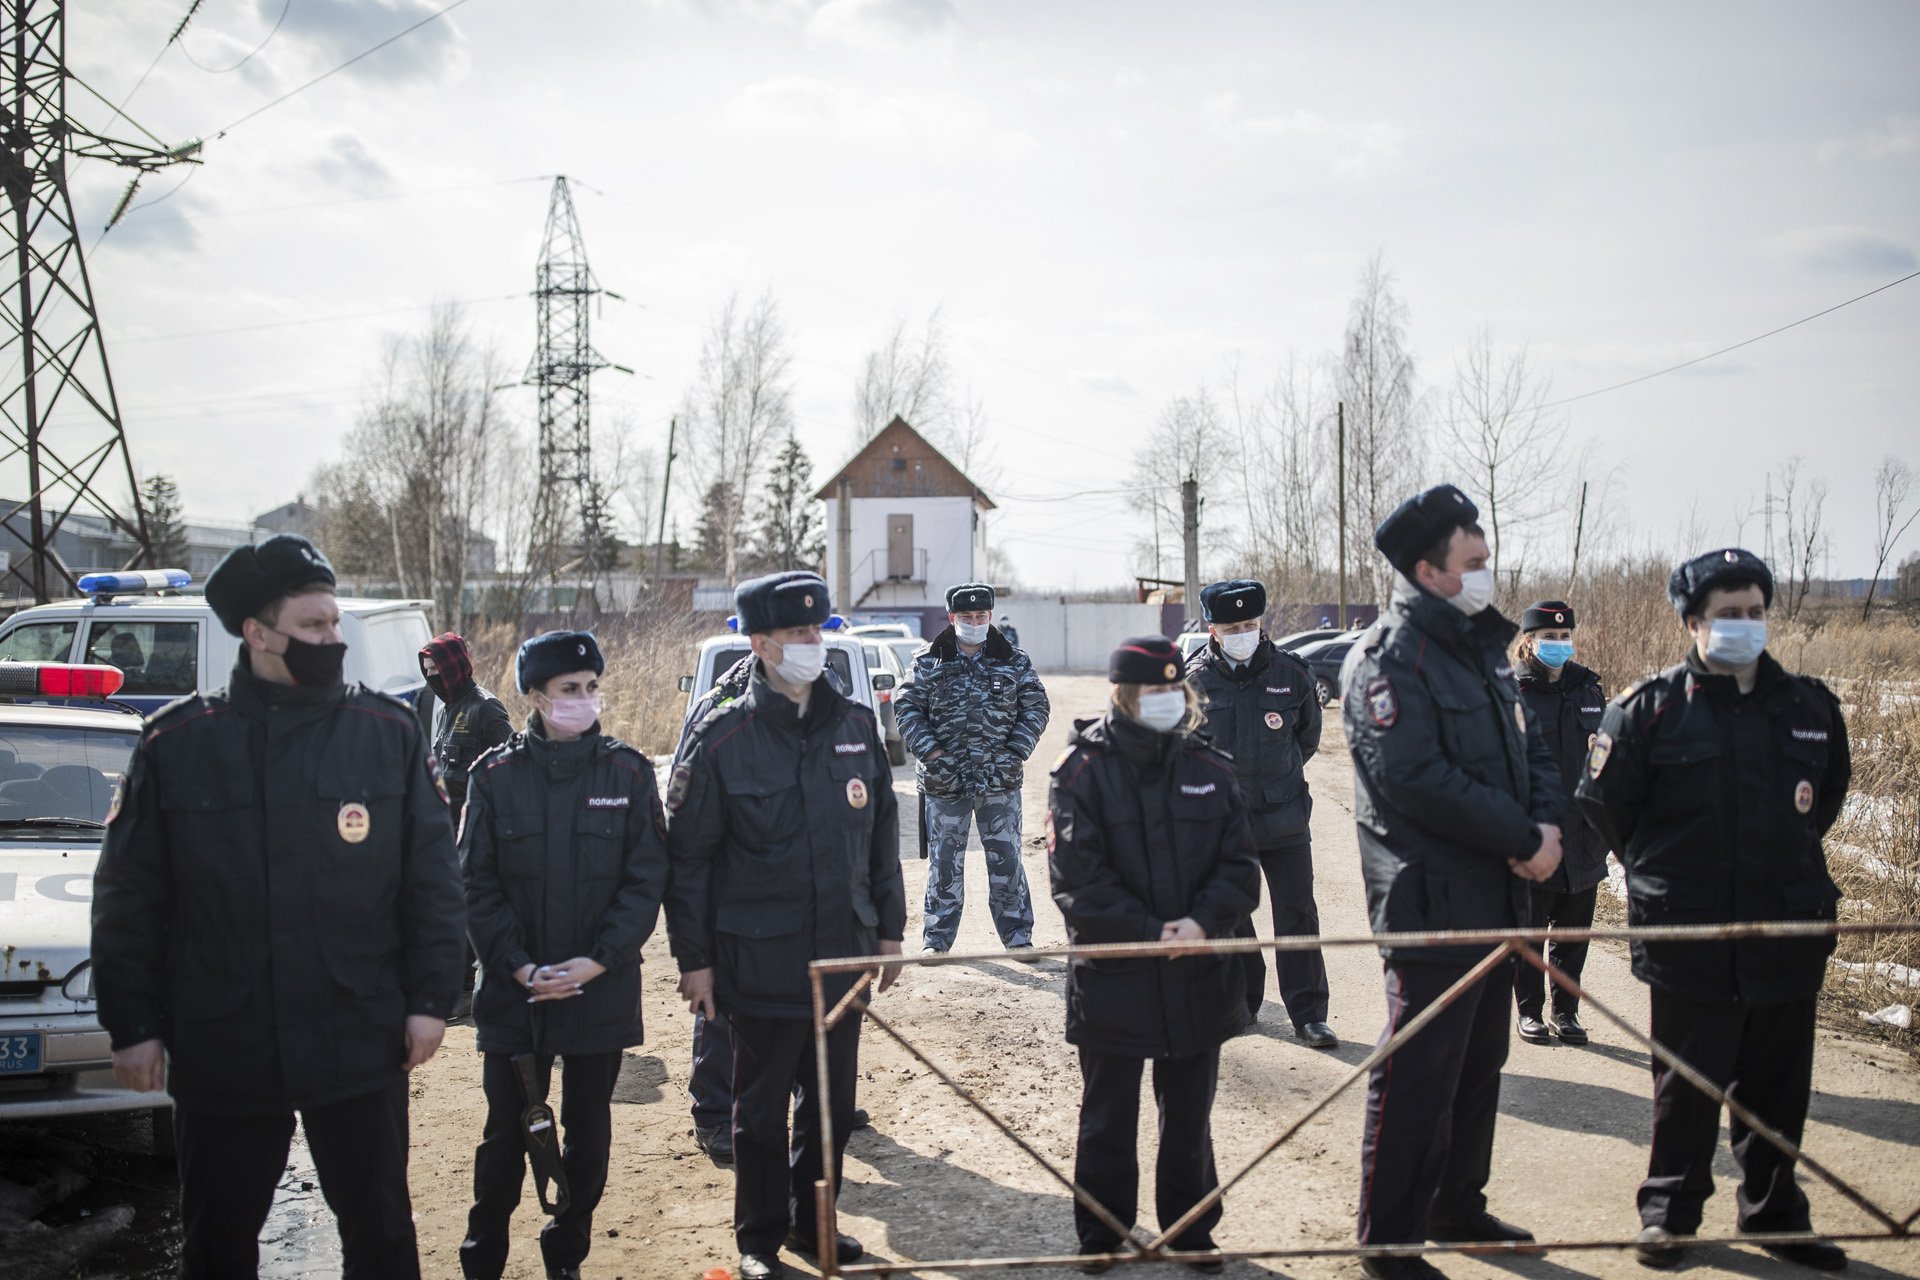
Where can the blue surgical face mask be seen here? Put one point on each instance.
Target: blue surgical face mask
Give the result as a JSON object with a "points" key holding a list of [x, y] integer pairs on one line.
{"points": [[1736, 642], [1554, 653]]}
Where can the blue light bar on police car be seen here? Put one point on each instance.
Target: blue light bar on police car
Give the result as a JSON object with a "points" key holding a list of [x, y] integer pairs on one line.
{"points": [[121, 584]]}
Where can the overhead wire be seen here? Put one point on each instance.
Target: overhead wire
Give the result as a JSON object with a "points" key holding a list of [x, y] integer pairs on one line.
{"points": [[265, 107], [1711, 355], [220, 71], [333, 319], [121, 110]]}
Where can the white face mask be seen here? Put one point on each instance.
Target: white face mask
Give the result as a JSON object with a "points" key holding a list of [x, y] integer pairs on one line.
{"points": [[971, 633], [1239, 647], [801, 664], [1164, 709], [1736, 642], [1476, 591]]}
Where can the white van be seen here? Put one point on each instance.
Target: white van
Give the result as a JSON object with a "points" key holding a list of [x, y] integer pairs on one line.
{"points": [[169, 644]]}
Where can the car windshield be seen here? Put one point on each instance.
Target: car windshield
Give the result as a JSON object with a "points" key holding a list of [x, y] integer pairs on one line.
{"points": [[54, 775], [837, 661]]}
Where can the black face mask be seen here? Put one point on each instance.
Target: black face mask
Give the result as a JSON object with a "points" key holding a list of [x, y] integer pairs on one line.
{"points": [[313, 666]]}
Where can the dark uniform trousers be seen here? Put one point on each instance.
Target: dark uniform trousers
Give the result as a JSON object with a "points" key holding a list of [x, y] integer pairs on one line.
{"points": [[1106, 1158], [1427, 1150], [1762, 1055], [1562, 910], [710, 1084], [500, 1161], [774, 1072], [231, 1165], [1302, 974]]}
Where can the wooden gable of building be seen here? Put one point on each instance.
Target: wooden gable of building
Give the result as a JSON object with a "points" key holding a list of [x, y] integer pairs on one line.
{"points": [[899, 463]]}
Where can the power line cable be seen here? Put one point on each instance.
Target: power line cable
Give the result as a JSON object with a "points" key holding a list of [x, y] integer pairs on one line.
{"points": [[288, 324], [121, 110], [1684, 364], [299, 89], [220, 71]]}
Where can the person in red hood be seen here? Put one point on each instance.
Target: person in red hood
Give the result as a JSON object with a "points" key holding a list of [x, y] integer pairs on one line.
{"points": [[462, 720]]}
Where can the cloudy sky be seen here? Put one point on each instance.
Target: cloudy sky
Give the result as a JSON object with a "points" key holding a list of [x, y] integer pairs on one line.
{"points": [[1111, 202]]}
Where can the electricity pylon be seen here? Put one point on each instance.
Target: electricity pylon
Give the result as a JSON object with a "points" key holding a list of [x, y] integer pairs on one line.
{"points": [[60, 428], [571, 509]]}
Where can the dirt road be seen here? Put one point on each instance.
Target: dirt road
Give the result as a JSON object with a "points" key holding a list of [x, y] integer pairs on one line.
{"points": [[932, 1180]]}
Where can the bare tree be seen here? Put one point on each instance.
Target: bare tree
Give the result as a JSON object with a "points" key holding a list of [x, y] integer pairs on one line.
{"points": [[423, 458], [1376, 383], [967, 440], [907, 376], [1190, 442], [1892, 490], [1803, 507], [1512, 448], [1284, 434], [737, 410]]}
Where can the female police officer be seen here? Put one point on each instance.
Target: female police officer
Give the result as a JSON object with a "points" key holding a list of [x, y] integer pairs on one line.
{"points": [[566, 862], [1148, 840], [1566, 701]]}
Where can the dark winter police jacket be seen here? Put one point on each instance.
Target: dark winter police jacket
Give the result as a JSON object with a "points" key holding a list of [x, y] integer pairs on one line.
{"points": [[1568, 712], [471, 725], [784, 837], [276, 895], [1265, 715], [564, 853], [1717, 803], [1450, 776], [984, 715], [1143, 828]]}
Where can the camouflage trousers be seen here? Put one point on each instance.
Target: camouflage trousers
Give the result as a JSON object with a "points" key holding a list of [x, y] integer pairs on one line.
{"points": [[998, 819]]}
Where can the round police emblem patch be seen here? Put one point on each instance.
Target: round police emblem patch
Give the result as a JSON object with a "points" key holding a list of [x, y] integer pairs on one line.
{"points": [[355, 823], [1173, 672], [1803, 796], [1275, 720], [856, 793]]}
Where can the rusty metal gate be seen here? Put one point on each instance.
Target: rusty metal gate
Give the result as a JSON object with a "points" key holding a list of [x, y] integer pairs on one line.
{"points": [[1893, 1225]]}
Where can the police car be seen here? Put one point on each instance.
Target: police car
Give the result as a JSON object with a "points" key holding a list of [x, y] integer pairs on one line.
{"points": [[853, 671], [64, 746], [168, 644]]}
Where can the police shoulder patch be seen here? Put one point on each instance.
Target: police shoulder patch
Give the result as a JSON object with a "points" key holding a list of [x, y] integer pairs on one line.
{"points": [[1383, 704], [677, 783], [1599, 753]]}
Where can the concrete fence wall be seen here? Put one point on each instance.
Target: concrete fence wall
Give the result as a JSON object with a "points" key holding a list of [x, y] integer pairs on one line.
{"points": [[1059, 636]]}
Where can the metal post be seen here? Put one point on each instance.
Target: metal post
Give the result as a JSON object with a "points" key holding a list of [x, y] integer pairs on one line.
{"points": [[1190, 541], [843, 542], [666, 487], [1340, 448]]}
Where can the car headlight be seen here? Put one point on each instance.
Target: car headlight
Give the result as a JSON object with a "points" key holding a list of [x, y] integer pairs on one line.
{"points": [[79, 983]]}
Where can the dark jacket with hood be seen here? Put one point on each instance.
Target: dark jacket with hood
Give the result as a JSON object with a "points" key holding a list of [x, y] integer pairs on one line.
{"points": [[1451, 776], [1263, 713], [276, 895], [983, 714], [1568, 712], [473, 722], [564, 853], [1143, 828], [784, 836], [1717, 802]]}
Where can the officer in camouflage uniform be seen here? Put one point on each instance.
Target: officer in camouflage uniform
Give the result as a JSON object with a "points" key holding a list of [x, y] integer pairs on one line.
{"points": [[971, 715]]}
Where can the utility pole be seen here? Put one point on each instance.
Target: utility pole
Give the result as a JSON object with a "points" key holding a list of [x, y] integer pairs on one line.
{"points": [[843, 544], [666, 487], [1340, 445], [563, 363], [1190, 524], [1579, 529], [50, 342]]}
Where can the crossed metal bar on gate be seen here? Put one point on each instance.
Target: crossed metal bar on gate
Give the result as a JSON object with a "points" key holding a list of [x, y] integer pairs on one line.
{"points": [[1505, 942]]}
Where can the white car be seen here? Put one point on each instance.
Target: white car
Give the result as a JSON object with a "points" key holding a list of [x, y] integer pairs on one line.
{"points": [[169, 644], [883, 631], [857, 675], [60, 768]]}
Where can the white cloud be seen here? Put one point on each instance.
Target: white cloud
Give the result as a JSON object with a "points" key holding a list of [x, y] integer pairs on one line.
{"points": [[1354, 147], [349, 164], [818, 107], [1850, 250], [882, 24], [1127, 78], [1103, 382], [1899, 136]]}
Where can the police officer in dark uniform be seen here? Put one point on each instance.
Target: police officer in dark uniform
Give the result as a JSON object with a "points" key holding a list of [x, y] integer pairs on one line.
{"points": [[1262, 710], [1148, 841], [1566, 701], [1716, 781], [277, 905], [1458, 803], [784, 840], [463, 720]]}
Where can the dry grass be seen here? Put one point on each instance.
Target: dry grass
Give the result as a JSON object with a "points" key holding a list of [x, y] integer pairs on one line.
{"points": [[1628, 631], [646, 655]]}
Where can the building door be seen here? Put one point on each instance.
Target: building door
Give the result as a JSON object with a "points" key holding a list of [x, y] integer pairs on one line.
{"points": [[900, 547]]}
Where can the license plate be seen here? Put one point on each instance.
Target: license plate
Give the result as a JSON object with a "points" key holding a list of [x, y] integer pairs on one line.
{"points": [[20, 1053]]}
